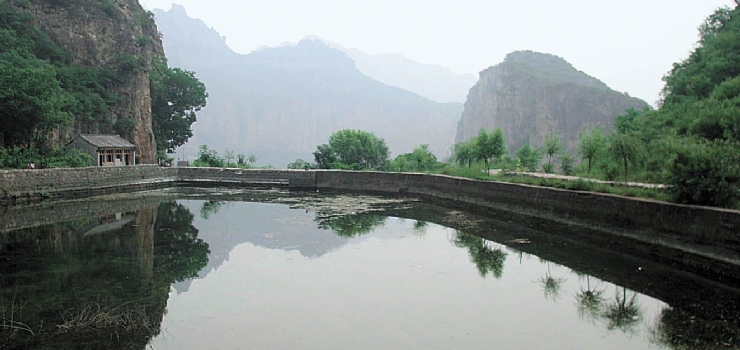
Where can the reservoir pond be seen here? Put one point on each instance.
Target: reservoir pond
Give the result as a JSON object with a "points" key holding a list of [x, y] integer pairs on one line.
{"points": [[277, 270]]}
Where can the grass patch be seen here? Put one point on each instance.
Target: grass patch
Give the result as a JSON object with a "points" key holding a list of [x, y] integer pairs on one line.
{"points": [[478, 173]]}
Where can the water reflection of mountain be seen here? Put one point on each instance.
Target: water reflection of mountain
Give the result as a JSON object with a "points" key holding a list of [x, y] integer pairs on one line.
{"points": [[225, 225]]}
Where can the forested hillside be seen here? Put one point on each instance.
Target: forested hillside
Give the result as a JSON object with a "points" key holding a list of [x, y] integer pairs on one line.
{"points": [[693, 140]]}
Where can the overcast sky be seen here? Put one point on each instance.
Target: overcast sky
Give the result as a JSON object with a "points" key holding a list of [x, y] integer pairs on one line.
{"points": [[628, 44]]}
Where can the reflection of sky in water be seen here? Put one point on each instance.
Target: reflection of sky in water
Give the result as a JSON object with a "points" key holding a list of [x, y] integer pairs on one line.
{"points": [[396, 288]]}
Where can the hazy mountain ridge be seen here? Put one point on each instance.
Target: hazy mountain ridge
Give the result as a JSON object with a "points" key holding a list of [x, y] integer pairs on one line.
{"points": [[531, 95], [280, 103], [434, 82]]}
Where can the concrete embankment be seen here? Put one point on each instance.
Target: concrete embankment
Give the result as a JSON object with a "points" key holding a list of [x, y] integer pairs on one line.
{"points": [[702, 239]]}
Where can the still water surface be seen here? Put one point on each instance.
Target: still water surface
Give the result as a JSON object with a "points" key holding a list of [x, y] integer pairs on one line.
{"points": [[206, 274]]}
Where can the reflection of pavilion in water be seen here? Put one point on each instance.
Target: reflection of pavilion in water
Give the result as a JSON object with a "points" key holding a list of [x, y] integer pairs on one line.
{"points": [[93, 278]]}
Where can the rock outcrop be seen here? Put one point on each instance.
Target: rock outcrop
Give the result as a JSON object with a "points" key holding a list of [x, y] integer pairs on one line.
{"points": [[531, 95], [99, 34]]}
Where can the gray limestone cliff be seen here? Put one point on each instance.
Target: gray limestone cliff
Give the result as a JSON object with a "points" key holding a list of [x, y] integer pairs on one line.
{"points": [[531, 95]]}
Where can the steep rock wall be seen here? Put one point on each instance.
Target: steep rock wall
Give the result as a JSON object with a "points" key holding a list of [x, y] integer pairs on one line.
{"points": [[531, 95], [96, 34]]}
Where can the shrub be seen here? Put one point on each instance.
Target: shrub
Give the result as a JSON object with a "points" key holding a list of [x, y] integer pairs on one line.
{"points": [[208, 158], [706, 173], [566, 164], [548, 168], [300, 164]]}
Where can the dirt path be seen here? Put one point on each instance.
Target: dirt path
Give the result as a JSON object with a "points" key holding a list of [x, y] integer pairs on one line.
{"points": [[574, 178]]}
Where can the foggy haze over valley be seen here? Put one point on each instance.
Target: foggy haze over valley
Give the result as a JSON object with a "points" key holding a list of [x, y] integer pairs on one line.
{"points": [[629, 45], [281, 102]]}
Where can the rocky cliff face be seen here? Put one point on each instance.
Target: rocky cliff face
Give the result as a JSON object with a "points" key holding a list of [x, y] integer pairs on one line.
{"points": [[280, 103], [102, 33], [531, 95]]}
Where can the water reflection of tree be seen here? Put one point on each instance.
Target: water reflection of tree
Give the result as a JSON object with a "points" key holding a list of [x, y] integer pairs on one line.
{"points": [[486, 258], [66, 289], [551, 286], [209, 208], [680, 329], [589, 301], [624, 313], [178, 251], [350, 225], [420, 225]]}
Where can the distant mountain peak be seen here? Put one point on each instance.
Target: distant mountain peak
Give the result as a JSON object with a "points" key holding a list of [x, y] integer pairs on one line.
{"points": [[307, 54], [178, 10], [550, 67], [429, 80]]}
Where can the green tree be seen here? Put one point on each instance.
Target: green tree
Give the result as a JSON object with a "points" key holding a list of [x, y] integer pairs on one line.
{"points": [[552, 147], [528, 157], [592, 142], [353, 149], [464, 153], [422, 158], [484, 148], [566, 164], [498, 145], [31, 100], [625, 148], [176, 96], [228, 156], [401, 163], [713, 61], [324, 157], [208, 157]]}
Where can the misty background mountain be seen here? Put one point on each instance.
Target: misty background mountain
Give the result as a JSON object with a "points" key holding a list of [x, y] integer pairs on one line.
{"points": [[280, 103], [434, 82]]}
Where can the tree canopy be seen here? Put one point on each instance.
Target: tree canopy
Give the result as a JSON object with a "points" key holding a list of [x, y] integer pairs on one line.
{"points": [[352, 149], [176, 97]]}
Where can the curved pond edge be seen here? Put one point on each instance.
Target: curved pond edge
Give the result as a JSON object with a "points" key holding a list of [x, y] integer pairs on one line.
{"points": [[703, 240]]}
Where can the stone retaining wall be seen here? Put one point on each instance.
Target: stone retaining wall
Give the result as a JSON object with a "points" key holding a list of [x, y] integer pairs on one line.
{"points": [[35, 184], [246, 177]]}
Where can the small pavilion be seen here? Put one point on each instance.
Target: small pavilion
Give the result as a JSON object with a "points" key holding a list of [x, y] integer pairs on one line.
{"points": [[106, 150]]}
